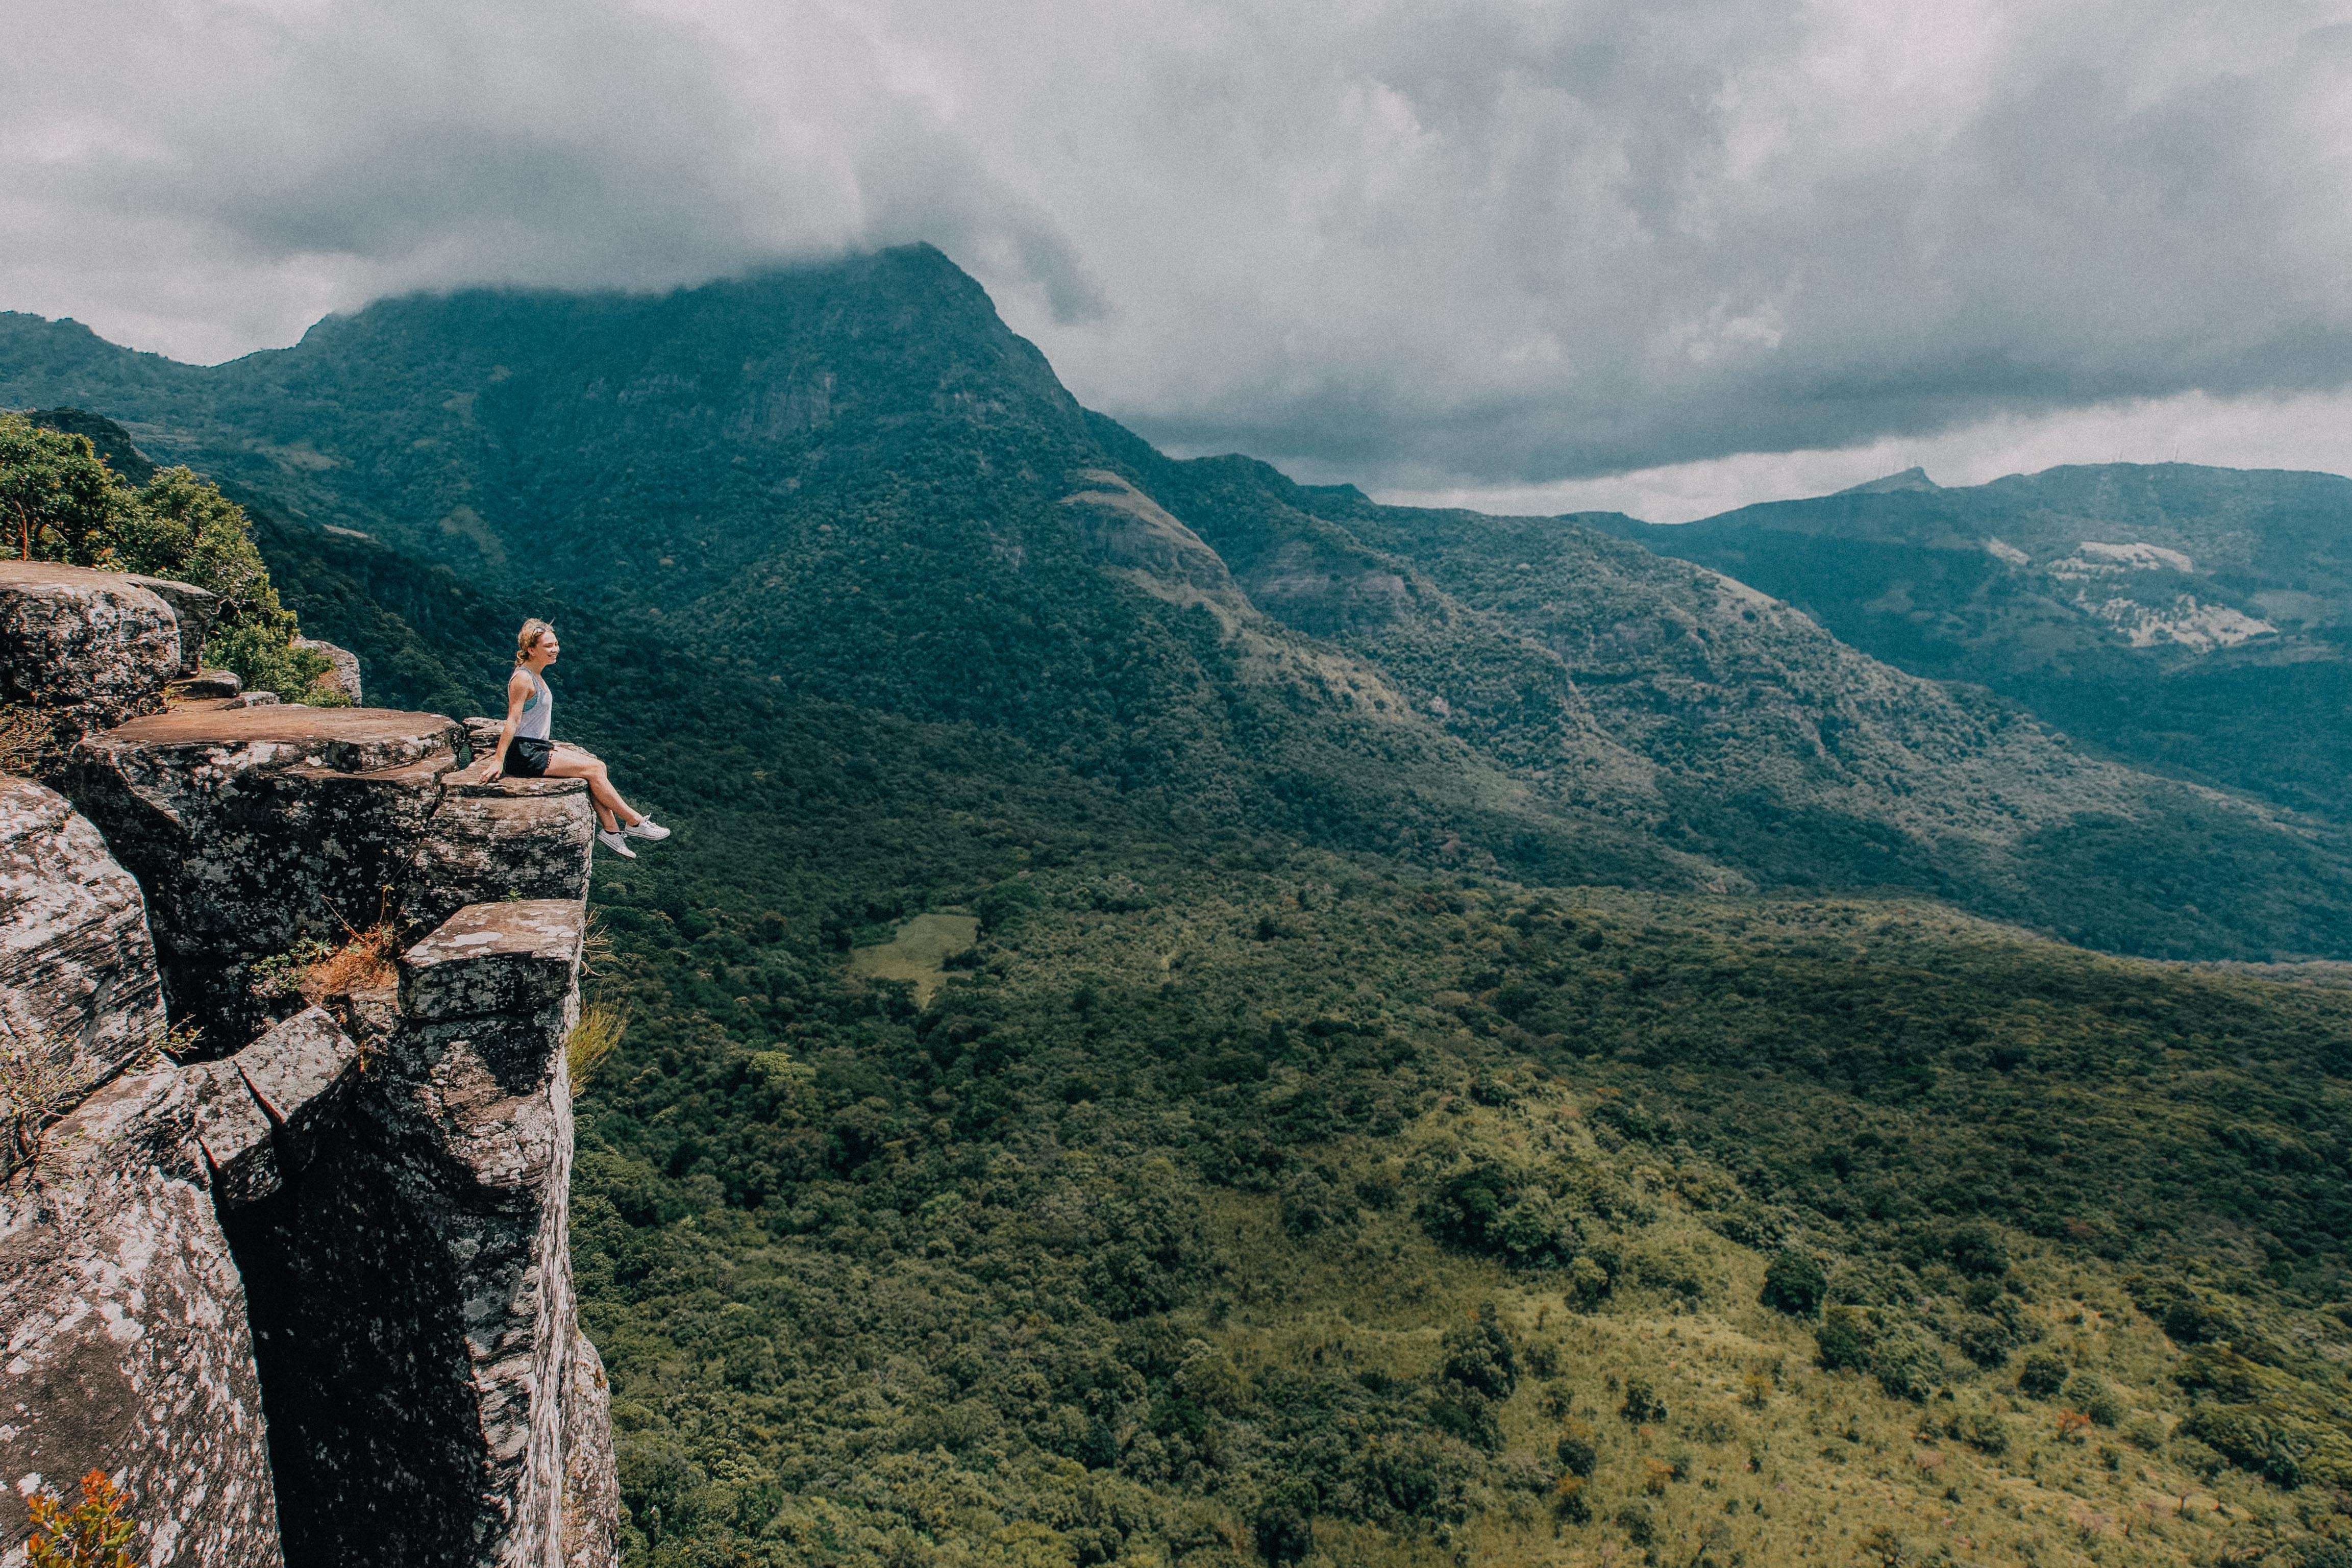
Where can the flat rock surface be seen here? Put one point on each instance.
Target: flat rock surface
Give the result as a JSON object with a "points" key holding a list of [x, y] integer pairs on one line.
{"points": [[350, 738]]}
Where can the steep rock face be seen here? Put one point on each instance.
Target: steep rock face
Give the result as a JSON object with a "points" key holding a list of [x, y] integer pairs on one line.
{"points": [[420, 1338], [77, 978], [123, 1314], [89, 648], [252, 828], [381, 1265], [521, 838]]}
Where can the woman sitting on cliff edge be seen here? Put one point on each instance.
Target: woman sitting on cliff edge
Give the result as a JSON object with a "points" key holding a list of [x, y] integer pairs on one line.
{"points": [[524, 750]]}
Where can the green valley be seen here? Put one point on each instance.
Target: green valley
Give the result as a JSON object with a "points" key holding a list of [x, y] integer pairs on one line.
{"points": [[1191, 1020]]}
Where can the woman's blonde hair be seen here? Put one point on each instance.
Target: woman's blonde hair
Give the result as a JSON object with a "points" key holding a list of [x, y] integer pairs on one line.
{"points": [[527, 638]]}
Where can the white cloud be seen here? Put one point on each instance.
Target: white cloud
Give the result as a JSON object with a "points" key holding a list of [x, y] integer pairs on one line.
{"points": [[2312, 432], [1503, 241]]}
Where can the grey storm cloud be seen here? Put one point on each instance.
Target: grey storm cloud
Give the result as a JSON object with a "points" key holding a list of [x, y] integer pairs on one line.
{"points": [[1488, 242]]}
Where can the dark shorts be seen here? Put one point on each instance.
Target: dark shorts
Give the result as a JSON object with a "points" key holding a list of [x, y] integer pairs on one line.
{"points": [[527, 758]]}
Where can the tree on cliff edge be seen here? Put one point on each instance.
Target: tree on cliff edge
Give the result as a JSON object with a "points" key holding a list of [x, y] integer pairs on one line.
{"points": [[60, 502]]}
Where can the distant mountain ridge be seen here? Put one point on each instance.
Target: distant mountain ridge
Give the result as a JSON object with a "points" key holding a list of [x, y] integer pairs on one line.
{"points": [[2192, 620], [852, 481]]}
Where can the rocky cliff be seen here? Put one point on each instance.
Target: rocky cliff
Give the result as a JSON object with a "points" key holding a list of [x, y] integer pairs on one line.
{"points": [[292, 1267]]}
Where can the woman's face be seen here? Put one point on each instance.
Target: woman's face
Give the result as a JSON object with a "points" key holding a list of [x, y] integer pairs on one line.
{"points": [[546, 647]]}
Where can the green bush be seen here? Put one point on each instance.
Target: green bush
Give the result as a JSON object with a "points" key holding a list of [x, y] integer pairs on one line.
{"points": [[1978, 1251], [1794, 1284], [2094, 1398], [1641, 1405], [2043, 1375], [1906, 1367], [1840, 1346], [1983, 1431], [1478, 1354]]}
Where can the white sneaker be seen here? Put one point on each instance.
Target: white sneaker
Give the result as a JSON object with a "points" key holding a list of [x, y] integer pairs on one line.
{"points": [[646, 828], [616, 844]]}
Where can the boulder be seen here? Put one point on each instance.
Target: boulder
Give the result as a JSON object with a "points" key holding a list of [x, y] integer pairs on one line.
{"points": [[235, 1135], [126, 1345], [300, 1072], [196, 609], [206, 685], [89, 648], [77, 977], [345, 675], [254, 829]]}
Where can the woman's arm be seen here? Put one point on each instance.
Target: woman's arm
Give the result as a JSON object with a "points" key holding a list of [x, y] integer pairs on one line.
{"points": [[518, 690]]}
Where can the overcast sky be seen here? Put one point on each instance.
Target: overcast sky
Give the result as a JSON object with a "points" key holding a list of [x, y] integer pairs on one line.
{"points": [[1657, 254]]}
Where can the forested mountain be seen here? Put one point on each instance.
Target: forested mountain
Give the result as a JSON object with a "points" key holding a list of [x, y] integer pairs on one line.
{"points": [[2192, 620], [1376, 1076], [854, 481]]}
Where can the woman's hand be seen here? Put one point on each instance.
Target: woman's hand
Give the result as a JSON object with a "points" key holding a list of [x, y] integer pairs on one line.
{"points": [[492, 775]]}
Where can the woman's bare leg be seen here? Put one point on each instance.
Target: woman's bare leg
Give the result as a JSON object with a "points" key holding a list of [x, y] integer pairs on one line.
{"points": [[569, 762]]}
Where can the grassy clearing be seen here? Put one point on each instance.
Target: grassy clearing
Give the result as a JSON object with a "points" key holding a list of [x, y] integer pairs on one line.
{"points": [[919, 953]]}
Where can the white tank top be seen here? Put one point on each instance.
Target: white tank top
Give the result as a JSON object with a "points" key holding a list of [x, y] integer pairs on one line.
{"points": [[538, 711]]}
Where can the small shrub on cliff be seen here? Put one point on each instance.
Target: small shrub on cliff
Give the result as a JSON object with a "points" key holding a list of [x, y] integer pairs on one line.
{"points": [[282, 974], [92, 1535], [596, 1037], [35, 1091], [363, 963], [28, 743]]}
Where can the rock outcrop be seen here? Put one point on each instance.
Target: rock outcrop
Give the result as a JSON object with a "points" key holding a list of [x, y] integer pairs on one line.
{"points": [[344, 676], [196, 609], [305, 1291], [77, 982], [126, 1339], [254, 829], [87, 648], [432, 1399]]}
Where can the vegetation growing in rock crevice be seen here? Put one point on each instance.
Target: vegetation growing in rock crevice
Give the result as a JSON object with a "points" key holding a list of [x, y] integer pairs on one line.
{"points": [[94, 1534]]}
